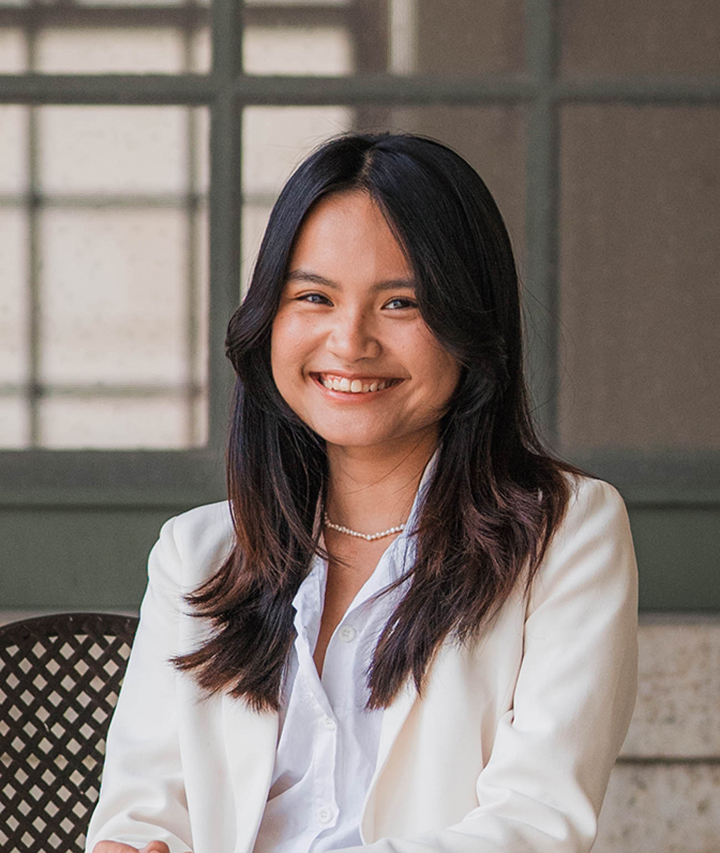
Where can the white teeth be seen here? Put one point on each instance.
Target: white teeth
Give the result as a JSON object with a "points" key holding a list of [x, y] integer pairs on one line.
{"points": [[354, 386]]}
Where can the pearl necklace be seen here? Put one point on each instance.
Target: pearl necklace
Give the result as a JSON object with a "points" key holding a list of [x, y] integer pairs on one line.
{"points": [[368, 537]]}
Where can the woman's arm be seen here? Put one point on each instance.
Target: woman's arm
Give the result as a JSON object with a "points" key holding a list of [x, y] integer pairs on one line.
{"points": [[543, 785], [142, 797]]}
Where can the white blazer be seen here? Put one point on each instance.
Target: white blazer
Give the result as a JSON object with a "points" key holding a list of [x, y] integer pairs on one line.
{"points": [[508, 750]]}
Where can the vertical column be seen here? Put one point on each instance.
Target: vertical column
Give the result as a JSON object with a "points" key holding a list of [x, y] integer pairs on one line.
{"points": [[541, 276], [225, 201], [368, 22], [34, 389], [192, 388], [403, 36]]}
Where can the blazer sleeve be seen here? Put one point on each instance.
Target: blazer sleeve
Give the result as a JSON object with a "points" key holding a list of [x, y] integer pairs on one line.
{"points": [[542, 788], [142, 795]]}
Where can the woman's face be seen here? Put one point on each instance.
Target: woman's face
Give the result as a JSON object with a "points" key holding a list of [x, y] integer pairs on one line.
{"points": [[351, 354]]}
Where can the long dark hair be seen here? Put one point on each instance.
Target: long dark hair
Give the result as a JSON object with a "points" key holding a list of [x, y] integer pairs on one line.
{"points": [[495, 497]]}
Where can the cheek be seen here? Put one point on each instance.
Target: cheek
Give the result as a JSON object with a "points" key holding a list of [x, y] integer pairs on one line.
{"points": [[286, 343], [292, 344], [448, 376], [281, 356], [442, 369]]}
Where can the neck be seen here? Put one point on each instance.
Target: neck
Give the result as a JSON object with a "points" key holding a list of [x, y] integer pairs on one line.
{"points": [[371, 489]]}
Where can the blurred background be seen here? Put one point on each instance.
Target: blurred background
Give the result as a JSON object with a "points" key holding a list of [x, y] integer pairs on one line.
{"points": [[141, 148]]}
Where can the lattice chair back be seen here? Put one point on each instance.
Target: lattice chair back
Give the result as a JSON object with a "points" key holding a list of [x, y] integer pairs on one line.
{"points": [[59, 681]]}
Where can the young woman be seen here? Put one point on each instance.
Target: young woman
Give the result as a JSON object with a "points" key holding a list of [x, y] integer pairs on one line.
{"points": [[410, 628]]}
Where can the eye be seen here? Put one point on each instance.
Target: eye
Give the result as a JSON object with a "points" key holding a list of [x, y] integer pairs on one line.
{"points": [[399, 302], [314, 299]]}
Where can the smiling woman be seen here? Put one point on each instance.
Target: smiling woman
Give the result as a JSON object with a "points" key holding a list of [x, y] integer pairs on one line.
{"points": [[351, 353], [410, 627]]}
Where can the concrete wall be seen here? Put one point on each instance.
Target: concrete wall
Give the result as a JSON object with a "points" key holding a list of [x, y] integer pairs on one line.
{"points": [[664, 793]]}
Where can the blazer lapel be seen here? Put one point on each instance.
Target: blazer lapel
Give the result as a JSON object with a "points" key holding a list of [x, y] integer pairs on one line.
{"points": [[393, 719], [392, 722], [251, 739]]}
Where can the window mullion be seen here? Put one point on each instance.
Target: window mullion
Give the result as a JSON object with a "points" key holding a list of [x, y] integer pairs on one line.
{"points": [[225, 201], [541, 276]]}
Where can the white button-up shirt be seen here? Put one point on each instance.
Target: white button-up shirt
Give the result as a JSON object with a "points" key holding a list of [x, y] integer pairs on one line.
{"points": [[328, 741]]}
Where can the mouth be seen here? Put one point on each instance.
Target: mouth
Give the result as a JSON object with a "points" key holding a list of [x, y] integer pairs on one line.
{"points": [[355, 385]]}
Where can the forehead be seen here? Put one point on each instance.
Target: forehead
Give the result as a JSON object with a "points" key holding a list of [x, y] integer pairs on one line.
{"points": [[347, 235]]}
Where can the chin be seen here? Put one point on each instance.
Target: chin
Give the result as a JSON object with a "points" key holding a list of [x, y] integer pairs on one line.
{"points": [[367, 438], [355, 436], [343, 439]]}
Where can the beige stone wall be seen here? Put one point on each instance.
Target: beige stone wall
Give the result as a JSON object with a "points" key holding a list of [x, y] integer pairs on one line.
{"points": [[664, 793]]}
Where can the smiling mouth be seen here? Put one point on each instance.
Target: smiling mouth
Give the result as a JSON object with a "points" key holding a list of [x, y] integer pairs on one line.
{"points": [[364, 385]]}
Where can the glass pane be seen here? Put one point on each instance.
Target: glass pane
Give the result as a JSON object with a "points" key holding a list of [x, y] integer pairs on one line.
{"points": [[201, 51], [640, 253], [92, 50], [199, 308], [13, 148], [297, 50], [200, 148], [14, 421], [146, 148], [120, 281], [604, 37], [275, 139], [397, 36], [254, 220], [298, 2], [14, 351], [114, 422], [112, 305], [278, 138], [130, 2], [12, 52], [107, 36]]}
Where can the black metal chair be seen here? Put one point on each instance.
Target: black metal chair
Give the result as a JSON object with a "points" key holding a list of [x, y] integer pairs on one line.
{"points": [[59, 681]]}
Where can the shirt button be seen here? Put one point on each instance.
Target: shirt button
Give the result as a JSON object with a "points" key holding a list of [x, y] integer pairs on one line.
{"points": [[347, 633], [329, 724], [324, 815]]}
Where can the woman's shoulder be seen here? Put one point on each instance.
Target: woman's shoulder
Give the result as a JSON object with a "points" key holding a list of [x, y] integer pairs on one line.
{"points": [[208, 517], [591, 499], [592, 547], [199, 540]]}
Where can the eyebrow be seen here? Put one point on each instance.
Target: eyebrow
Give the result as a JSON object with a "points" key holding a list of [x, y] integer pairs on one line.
{"points": [[315, 278]]}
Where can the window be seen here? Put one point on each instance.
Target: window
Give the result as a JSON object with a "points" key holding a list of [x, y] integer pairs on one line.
{"points": [[135, 183]]}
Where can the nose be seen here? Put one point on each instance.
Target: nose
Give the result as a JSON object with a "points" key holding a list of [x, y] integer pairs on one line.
{"points": [[352, 336]]}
